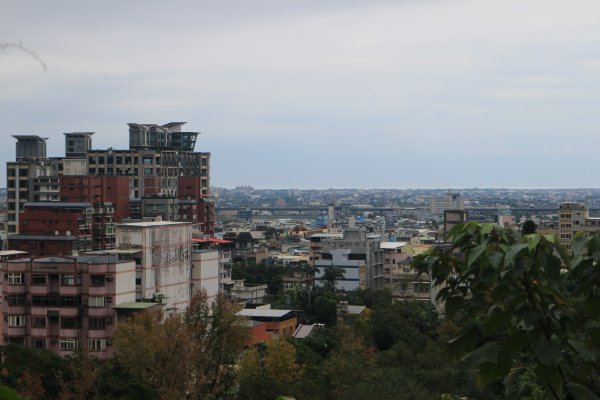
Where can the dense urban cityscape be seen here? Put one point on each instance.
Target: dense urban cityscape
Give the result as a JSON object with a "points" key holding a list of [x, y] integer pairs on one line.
{"points": [[95, 237], [299, 200]]}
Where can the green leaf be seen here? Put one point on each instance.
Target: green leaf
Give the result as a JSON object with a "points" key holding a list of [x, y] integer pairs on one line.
{"points": [[462, 343], [581, 392], [532, 242], [500, 292], [453, 305], [486, 353], [592, 306], [490, 372], [512, 251], [498, 321], [474, 254], [579, 244], [495, 258], [547, 353], [582, 350]]}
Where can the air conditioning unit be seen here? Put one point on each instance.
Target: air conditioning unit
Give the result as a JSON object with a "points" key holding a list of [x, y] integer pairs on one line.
{"points": [[109, 278], [109, 321]]}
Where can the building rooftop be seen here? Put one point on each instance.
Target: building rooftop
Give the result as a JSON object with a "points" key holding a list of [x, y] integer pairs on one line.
{"points": [[136, 305], [6, 253], [257, 312], [153, 223], [391, 245]]}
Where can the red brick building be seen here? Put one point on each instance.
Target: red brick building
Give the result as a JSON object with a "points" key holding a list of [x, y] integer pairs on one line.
{"points": [[96, 189]]}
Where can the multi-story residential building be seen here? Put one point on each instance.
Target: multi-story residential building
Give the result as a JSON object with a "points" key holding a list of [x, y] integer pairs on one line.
{"points": [[163, 254], [358, 254], [400, 277], [55, 228], [453, 218], [573, 218], [65, 303], [77, 144], [205, 270], [452, 201]]}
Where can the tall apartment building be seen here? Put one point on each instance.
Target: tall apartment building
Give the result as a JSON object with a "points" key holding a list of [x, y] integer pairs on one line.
{"points": [[358, 254], [65, 303], [163, 254], [573, 218], [158, 159], [452, 201]]}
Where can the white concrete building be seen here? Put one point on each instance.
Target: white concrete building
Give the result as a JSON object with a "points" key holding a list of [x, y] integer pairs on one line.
{"points": [[164, 262], [452, 201], [205, 271]]}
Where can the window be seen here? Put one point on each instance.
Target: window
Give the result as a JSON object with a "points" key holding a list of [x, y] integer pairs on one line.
{"points": [[15, 299], [15, 279], [69, 344], [69, 323], [70, 301], [38, 279], [96, 302], [70, 280], [16, 320], [38, 322], [38, 343], [97, 344], [147, 171], [97, 280], [97, 323]]}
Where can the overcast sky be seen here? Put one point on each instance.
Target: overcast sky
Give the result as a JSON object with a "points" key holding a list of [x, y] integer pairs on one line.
{"points": [[318, 94]]}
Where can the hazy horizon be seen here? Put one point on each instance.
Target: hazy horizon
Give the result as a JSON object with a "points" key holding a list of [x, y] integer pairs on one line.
{"points": [[407, 94]]}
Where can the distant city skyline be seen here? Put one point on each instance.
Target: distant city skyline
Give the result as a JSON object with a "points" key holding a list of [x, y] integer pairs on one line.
{"points": [[320, 94]]}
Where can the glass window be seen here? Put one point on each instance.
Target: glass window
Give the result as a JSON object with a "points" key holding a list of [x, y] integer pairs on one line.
{"points": [[69, 344], [70, 280], [38, 322], [69, 323], [97, 323], [38, 279], [16, 320], [15, 279], [96, 301], [97, 344], [38, 343], [97, 280], [15, 299]]}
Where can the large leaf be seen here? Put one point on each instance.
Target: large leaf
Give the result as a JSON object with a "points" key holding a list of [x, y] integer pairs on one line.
{"points": [[582, 350], [462, 343], [488, 353], [592, 306], [547, 353], [581, 392], [496, 322], [512, 251], [474, 254], [453, 305]]}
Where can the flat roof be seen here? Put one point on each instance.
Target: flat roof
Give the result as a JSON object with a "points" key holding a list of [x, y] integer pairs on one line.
{"points": [[136, 305], [153, 223], [391, 245], [210, 240], [11, 253], [257, 312]]}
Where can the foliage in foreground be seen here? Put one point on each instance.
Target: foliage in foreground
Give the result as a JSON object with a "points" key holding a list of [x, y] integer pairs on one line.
{"points": [[529, 308]]}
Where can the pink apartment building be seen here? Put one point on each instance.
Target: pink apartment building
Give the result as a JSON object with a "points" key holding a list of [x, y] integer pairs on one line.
{"points": [[65, 303]]}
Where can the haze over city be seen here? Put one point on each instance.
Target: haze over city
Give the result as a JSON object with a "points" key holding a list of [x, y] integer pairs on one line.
{"points": [[320, 94]]}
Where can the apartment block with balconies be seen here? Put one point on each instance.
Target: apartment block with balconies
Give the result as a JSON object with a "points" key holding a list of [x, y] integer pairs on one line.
{"points": [[65, 303]]}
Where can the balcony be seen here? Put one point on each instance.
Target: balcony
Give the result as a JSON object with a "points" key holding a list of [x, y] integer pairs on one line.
{"points": [[14, 289], [15, 331], [101, 312], [37, 290], [66, 290]]}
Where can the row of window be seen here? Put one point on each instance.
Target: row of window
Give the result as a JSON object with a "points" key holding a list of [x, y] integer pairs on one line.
{"points": [[93, 344], [65, 279], [95, 323]]}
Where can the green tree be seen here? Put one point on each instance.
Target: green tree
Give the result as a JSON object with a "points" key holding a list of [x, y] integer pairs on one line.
{"points": [[528, 227], [185, 357], [526, 303], [331, 275]]}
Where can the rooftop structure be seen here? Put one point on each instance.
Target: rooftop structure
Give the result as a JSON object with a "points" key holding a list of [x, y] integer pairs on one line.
{"points": [[161, 137]]}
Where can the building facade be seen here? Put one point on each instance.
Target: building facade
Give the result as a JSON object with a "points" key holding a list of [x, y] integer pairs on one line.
{"points": [[65, 303]]}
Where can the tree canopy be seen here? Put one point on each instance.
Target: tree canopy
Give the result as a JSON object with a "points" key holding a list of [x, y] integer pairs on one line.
{"points": [[526, 305]]}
